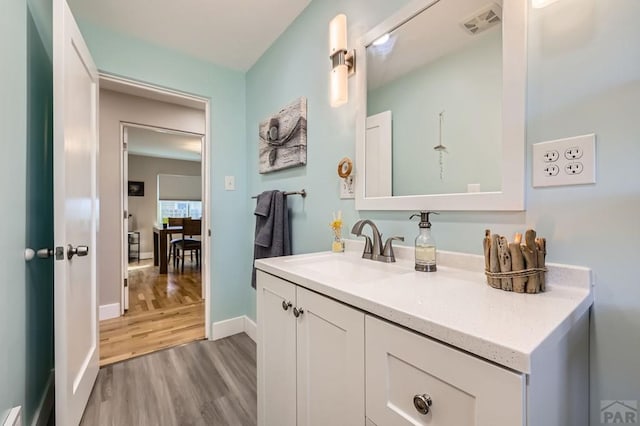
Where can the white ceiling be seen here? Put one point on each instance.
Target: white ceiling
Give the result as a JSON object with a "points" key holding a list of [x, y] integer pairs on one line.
{"points": [[231, 33], [152, 143]]}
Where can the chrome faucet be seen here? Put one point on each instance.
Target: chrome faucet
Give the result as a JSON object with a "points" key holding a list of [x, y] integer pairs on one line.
{"points": [[375, 250]]}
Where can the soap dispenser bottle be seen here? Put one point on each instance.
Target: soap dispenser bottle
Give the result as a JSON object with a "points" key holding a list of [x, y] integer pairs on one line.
{"points": [[425, 249]]}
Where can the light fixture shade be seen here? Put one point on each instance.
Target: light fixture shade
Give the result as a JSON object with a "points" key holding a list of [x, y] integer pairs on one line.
{"points": [[339, 89], [338, 34]]}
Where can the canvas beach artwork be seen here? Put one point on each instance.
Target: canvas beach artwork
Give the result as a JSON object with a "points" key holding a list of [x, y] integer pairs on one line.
{"points": [[283, 138]]}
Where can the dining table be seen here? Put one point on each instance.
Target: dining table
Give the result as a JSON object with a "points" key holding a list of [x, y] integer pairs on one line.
{"points": [[160, 234]]}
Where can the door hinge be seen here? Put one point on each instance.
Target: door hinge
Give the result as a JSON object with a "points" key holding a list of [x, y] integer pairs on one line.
{"points": [[125, 215], [209, 232], [124, 146], [126, 283]]}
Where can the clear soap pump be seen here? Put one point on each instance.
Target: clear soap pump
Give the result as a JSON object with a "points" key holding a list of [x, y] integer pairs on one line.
{"points": [[425, 244]]}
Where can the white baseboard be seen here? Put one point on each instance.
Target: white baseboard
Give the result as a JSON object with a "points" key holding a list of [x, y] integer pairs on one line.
{"points": [[226, 328], [14, 418], [250, 328], [109, 311], [45, 406], [146, 255]]}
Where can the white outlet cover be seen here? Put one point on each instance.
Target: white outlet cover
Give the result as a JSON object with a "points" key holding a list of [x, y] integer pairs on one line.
{"points": [[540, 162], [348, 187], [230, 183]]}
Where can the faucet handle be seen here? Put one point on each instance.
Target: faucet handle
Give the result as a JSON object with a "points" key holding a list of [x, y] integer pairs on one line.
{"points": [[368, 248], [387, 252]]}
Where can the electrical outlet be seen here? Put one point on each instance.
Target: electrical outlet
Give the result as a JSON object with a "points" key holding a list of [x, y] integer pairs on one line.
{"points": [[551, 156], [573, 153], [348, 187], [551, 169], [574, 168]]}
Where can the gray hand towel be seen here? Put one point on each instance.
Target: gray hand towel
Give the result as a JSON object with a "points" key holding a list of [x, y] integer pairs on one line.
{"points": [[264, 212], [272, 235]]}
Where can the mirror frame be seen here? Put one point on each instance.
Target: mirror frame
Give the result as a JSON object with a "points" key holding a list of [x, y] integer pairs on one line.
{"points": [[514, 80]]}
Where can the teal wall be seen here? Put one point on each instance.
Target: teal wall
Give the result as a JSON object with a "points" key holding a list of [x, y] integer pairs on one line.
{"points": [[583, 76], [138, 60], [39, 217], [297, 64], [13, 136], [467, 85]]}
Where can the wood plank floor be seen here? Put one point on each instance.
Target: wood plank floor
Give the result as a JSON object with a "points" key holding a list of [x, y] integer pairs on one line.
{"points": [[133, 335], [164, 311], [201, 383], [149, 290]]}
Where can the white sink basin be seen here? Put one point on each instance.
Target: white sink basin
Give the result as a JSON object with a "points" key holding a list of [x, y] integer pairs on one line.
{"points": [[343, 267]]}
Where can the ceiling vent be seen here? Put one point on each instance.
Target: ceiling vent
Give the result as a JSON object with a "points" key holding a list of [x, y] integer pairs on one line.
{"points": [[483, 19]]}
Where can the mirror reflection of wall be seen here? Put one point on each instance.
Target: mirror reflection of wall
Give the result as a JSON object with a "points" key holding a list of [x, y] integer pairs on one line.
{"points": [[431, 64]]}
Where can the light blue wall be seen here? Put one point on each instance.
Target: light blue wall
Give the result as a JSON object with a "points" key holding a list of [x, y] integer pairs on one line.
{"points": [[467, 85], [135, 59], [298, 65], [583, 76], [13, 136]]}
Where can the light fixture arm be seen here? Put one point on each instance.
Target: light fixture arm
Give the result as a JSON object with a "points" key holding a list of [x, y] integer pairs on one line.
{"points": [[343, 57]]}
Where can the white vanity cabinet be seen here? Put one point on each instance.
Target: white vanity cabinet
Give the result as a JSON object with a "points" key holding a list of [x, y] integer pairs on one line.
{"points": [[462, 389], [310, 357], [375, 342]]}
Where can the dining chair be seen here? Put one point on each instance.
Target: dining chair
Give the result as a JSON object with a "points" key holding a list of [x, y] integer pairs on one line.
{"points": [[173, 221], [190, 228]]}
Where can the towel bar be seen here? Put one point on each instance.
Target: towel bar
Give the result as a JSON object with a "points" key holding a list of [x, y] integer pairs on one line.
{"points": [[302, 192]]}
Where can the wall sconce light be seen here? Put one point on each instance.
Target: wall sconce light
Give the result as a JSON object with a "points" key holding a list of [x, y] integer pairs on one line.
{"points": [[343, 62]]}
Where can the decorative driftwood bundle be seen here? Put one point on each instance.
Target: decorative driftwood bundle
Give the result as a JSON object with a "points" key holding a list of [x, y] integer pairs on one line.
{"points": [[515, 266]]}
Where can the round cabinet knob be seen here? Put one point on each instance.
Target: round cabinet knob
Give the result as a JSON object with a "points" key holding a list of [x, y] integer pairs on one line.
{"points": [[422, 403], [297, 312], [286, 305]]}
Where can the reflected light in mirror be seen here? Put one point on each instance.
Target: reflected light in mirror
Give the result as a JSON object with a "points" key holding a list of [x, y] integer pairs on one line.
{"points": [[382, 40]]}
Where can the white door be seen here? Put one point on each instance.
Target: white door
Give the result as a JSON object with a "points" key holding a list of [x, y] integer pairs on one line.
{"points": [[75, 91], [276, 361], [330, 362], [378, 155], [125, 220]]}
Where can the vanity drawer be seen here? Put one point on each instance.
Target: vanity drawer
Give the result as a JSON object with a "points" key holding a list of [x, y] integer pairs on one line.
{"points": [[464, 390]]}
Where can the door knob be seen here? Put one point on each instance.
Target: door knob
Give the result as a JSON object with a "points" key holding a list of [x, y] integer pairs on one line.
{"points": [[422, 403], [80, 251], [286, 305], [297, 312], [43, 253]]}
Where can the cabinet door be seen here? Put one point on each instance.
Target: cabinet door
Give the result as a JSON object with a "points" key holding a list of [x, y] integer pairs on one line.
{"points": [[276, 348], [330, 362], [464, 390]]}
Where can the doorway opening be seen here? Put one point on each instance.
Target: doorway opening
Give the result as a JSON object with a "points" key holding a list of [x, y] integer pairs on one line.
{"points": [[164, 221]]}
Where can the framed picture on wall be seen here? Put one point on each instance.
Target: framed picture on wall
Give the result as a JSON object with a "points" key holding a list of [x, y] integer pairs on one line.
{"points": [[136, 189], [282, 138]]}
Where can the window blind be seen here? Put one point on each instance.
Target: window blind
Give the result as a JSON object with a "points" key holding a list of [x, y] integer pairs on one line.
{"points": [[179, 187]]}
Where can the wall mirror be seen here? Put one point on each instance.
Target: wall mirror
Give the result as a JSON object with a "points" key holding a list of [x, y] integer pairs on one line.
{"points": [[441, 107]]}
